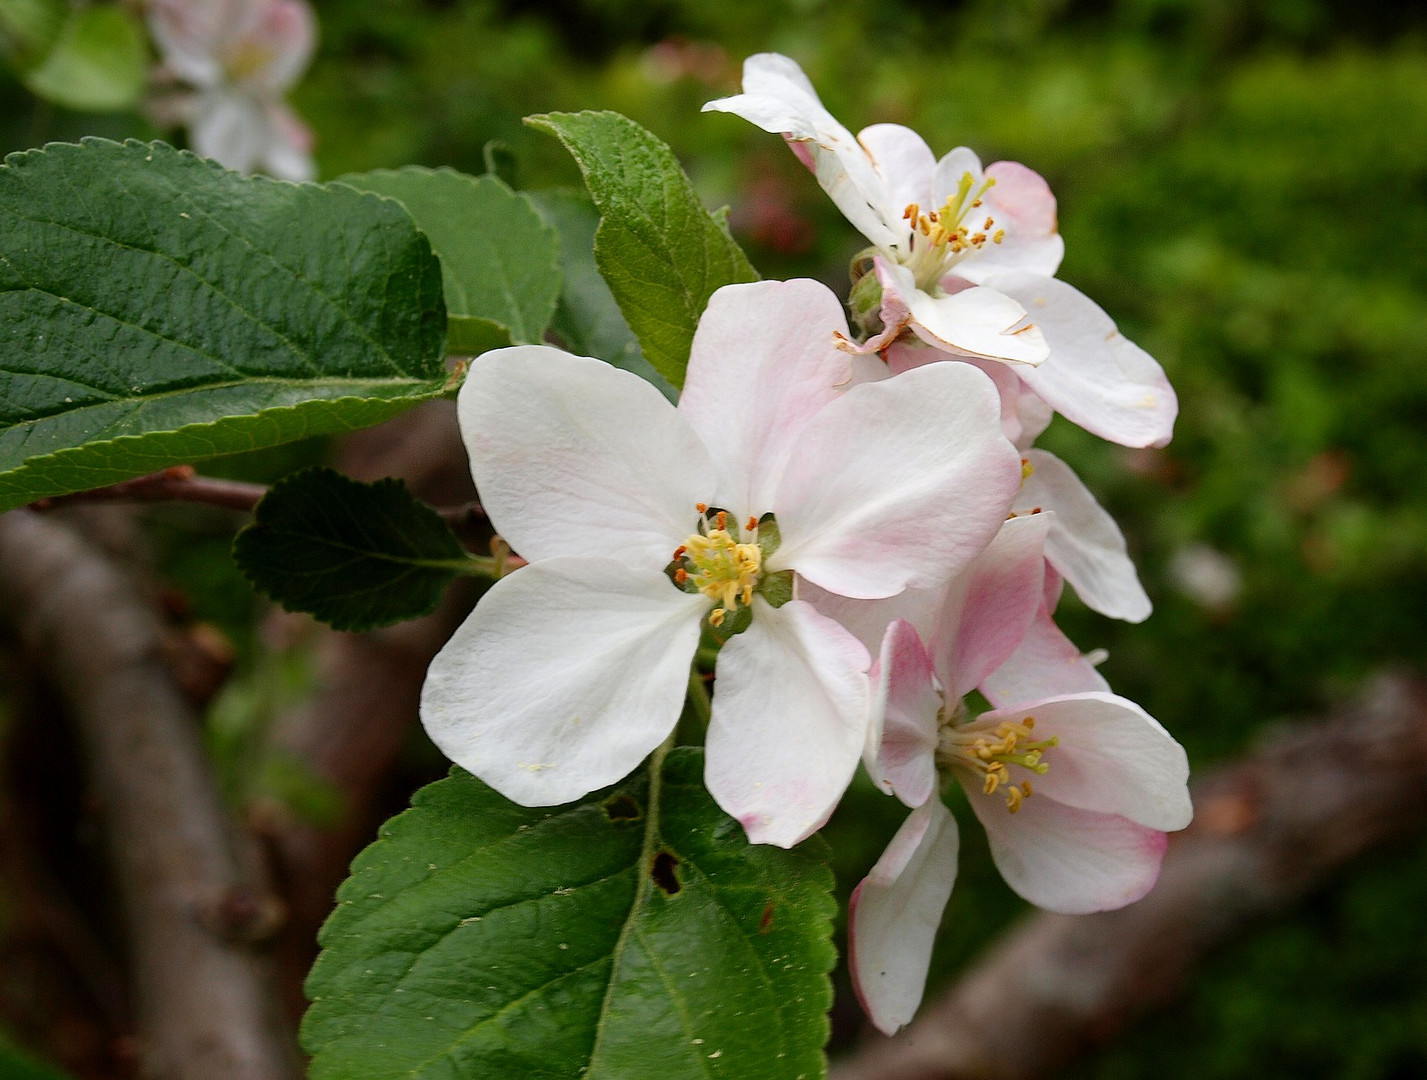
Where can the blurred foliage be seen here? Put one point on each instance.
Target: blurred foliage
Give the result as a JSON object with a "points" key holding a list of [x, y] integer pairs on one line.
{"points": [[1243, 187]]}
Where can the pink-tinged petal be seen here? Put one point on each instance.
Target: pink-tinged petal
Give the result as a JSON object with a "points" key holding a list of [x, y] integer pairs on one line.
{"points": [[1022, 204], [976, 321], [190, 36], [905, 163], [1112, 757], [1069, 860], [1095, 376], [897, 484], [949, 172], [1045, 665], [288, 154], [778, 98], [904, 717], [574, 457], [789, 722], [1085, 545], [285, 33], [230, 128], [568, 673], [764, 360], [989, 606], [893, 915], [1023, 415]]}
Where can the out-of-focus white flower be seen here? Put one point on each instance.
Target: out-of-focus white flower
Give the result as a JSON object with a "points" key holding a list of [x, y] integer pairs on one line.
{"points": [[1207, 576], [643, 524], [239, 57]]}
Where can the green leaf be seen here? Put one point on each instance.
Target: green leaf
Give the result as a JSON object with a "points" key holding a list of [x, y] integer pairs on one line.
{"points": [[98, 62], [157, 309], [498, 259], [587, 318], [634, 934], [354, 555], [29, 27], [661, 252], [17, 1065]]}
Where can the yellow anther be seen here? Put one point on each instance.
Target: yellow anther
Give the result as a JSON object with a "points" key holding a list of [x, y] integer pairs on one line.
{"points": [[1027, 469], [716, 617]]}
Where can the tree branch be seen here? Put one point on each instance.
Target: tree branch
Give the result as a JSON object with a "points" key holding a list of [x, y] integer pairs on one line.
{"points": [[1268, 830], [203, 1001]]}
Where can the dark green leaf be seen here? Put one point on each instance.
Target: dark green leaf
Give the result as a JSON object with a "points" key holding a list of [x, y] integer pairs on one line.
{"points": [[635, 935], [587, 319], [354, 555], [157, 309], [661, 252], [498, 259]]}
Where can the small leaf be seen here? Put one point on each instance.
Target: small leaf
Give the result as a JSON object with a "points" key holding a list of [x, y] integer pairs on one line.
{"points": [[15, 1065], [157, 309], [97, 63], [661, 252], [587, 319], [498, 259], [634, 935], [354, 555]]}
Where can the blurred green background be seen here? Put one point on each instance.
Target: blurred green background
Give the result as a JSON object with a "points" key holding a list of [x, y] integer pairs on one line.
{"points": [[1242, 186]]}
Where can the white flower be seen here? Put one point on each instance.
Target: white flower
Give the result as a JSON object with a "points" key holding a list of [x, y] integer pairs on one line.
{"points": [[241, 57], [1075, 786], [965, 258], [644, 523]]}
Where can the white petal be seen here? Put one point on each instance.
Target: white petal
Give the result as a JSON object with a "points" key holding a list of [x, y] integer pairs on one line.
{"points": [[904, 717], [1023, 414], [1095, 377], [230, 128], [905, 163], [989, 606], [288, 153], [1022, 204], [285, 33], [790, 713], [894, 913], [897, 483], [976, 321], [1046, 664], [1085, 545], [764, 360], [950, 170], [1112, 757], [574, 457], [1068, 860], [568, 673], [779, 98]]}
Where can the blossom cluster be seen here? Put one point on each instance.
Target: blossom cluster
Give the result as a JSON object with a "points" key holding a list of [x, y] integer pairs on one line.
{"points": [[852, 518]]}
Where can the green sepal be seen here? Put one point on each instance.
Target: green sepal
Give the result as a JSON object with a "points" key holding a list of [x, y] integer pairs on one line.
{"points": [[777, 588]]}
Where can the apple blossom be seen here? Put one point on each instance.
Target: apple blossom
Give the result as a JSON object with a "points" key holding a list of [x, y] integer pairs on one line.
{"points": [[240, 57], [964, 258], [1075, 786], [644, 524]]}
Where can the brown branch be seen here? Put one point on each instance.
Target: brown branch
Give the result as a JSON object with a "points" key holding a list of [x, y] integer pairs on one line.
{"points": [[1268, 830], [203, 1002]]}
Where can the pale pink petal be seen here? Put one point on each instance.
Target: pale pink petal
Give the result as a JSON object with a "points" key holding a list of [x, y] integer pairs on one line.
{"points": [[976, 321], [1069, 860], [789, 723], [190, 36], [1095, 377], [1085, 545], [574, 457], [779, 98], [905, 163], [1046, 664], [230, 128], [764, 360], [1022, 204], [1112, 757], [288, 154], [897, 484], [950, 170], [893, 915], [1023, 414], [568, 673], [904, 717], [989, 606], [285, 34]]}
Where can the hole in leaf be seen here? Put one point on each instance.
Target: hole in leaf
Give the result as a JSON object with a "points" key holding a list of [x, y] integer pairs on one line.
{"points": [[662, 871], [622, 808]]}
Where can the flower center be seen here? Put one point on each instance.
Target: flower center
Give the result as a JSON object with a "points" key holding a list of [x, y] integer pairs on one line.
{"points": [[988, 755], [941, 238], [715, 562]]}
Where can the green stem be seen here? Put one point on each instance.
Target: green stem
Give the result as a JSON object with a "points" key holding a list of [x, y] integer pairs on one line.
{"points": [[699, 699]]}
